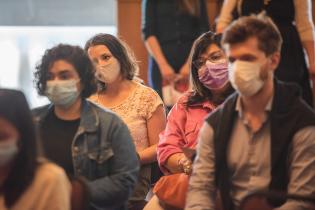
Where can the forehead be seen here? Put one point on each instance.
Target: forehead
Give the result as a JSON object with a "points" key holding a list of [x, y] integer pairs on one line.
{"points": [[248, 47], [211, 49], [62, 66], [98, 50]]}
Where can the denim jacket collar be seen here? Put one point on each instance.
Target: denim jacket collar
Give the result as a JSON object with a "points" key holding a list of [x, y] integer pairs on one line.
{"points": [[89, 121]]}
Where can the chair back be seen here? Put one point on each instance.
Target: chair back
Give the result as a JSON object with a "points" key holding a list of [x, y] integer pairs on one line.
{"points": [[79, 195]]}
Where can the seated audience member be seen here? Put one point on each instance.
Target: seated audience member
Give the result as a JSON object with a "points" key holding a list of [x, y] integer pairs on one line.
{"points": [[26, 181], [139, 106], [83, 138], [262, 138], [210, 87], [295, 22]]}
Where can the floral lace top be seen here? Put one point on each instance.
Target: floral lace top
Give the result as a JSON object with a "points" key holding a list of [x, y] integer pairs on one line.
{"points": [[135, 111]]}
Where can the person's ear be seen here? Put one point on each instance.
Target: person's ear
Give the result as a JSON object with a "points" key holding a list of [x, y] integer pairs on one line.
{"points": [[274, 60]]}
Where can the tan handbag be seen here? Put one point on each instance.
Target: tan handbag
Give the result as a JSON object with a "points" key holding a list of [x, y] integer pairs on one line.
{"points": [[172, 189]]}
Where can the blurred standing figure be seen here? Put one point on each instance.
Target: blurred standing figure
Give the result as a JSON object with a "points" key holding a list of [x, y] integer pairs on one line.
{"points": [[85, 139], [294, 20], [169, 29], [26, 181]]}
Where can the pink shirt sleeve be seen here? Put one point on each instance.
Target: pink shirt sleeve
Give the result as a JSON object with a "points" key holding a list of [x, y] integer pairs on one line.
{"points": [[172, 137], [181, 131]]}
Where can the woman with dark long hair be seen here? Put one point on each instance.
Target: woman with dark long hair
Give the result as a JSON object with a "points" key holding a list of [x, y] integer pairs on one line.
{"points": [[26, 181], [139, 106], [210, 87]]}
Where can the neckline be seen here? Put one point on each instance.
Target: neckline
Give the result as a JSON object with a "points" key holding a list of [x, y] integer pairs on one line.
{"points": [[131, 94]]}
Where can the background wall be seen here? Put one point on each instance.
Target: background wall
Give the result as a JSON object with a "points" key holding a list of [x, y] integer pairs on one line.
{"points": [[29, 27], [57, 12]]}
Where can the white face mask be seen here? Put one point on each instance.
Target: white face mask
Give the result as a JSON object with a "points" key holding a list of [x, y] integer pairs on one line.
{"points": [[245, 77], [62, 92], [108, 73], [8, 150]]}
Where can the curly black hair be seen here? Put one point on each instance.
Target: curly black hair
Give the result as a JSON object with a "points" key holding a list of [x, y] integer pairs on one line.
{"points": [[74, 55]]}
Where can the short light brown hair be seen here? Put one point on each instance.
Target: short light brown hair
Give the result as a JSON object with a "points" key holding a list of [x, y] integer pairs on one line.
{"points": [[259, 26]]}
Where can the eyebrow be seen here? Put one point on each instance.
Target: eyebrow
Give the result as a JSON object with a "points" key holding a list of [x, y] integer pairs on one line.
{"points": [[64, 71], [107, 54], [243, 57], [212, 53], [246, 56], [61, 72], [218, 51]]}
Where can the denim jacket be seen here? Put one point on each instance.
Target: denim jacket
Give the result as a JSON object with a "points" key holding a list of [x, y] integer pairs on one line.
{"points": [[103, 153]]}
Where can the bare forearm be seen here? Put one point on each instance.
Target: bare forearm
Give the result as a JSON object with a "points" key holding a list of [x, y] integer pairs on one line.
{"points": [[225, 17], [155, 50], [148, 155], [310, 50], [153, 46], [172, 163]]}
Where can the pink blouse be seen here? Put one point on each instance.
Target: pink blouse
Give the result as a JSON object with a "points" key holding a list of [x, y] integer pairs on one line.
{"points": [[182, 128]]}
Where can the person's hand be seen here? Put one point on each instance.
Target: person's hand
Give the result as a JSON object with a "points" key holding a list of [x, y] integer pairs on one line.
{"points": [[167, 72], [181, 84], [185, 164], [182, 79]]}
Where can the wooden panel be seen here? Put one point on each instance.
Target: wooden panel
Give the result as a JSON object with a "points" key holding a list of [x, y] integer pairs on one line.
{"points": [[129, 29]]}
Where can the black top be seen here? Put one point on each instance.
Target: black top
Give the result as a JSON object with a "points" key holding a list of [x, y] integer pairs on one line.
{"points": [[275, 9], [175, 30], [163, 19], [57, 136]]}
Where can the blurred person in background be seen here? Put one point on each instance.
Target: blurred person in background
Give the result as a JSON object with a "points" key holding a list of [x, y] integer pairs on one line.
{"points": [[26, 181]]}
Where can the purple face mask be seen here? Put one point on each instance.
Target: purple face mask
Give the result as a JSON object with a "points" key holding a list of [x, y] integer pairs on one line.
{"points": [[214, 75]]}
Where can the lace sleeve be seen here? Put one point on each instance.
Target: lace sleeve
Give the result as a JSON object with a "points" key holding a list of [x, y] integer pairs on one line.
{"points": [[150, 100]]}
